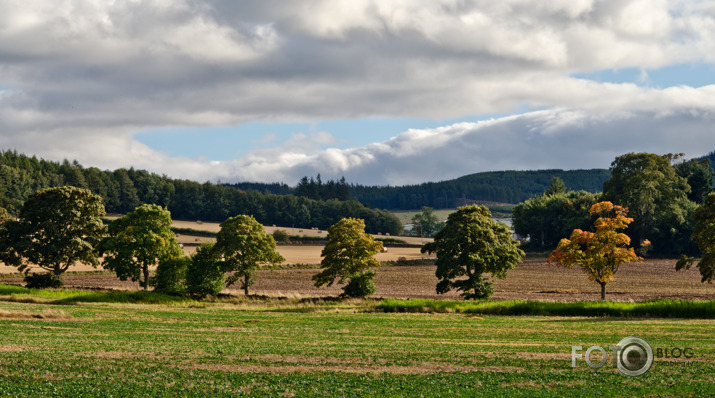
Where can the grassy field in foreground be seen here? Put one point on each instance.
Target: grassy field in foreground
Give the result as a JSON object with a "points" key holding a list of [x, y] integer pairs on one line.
{"points": [[205, 349]]}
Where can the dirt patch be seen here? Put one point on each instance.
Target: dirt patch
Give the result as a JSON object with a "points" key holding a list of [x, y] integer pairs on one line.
{"points": [[11, 348], [534, 279], [47, 315]]}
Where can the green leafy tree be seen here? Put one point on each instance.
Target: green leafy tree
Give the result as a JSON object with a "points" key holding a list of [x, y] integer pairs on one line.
{"points": [[349, 255], [140, 239], [700, 178], [204, 275], [556, 186], [602, 252], [546, 219], [245, 247], [469, 245], [170, 275], [655, 196], [426, 223], [704, 235], [57, 227]]}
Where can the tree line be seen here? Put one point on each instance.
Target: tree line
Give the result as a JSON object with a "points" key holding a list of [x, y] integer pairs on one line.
{"points": [[122, 190], [660, 192], [495, 186]]}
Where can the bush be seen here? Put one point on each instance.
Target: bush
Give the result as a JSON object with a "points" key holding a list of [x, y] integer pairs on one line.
{"points": [[42, 281], [204, 276], [281, 236], [361, 285], [170, 277]]}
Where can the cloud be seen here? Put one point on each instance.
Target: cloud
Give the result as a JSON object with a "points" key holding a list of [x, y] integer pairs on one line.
{"points": [[555, 138], [79, 77]]}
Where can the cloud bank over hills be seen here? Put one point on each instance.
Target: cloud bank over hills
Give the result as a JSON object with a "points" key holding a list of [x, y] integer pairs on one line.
{"points": [[80, 79]]}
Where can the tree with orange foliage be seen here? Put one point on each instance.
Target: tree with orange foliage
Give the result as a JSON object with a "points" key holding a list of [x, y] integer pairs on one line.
{"points": [[598, 253]]}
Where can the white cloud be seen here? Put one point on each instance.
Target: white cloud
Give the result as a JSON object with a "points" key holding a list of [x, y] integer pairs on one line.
{"points": [[79, 77]]}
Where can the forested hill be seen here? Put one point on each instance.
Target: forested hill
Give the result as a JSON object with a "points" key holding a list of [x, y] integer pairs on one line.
{"points": [[710, 156], [122, 190], [493, 186]]}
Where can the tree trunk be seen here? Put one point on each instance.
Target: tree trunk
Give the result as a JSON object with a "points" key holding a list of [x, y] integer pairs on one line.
{"points": [[57, 270], [245, 285], [603, 291], [146, 277]]}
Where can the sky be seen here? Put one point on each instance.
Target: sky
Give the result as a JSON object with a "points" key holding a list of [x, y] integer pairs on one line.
{"points": [[381, 92]]}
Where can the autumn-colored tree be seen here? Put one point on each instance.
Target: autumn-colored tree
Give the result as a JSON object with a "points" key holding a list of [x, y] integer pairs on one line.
{"points": [[349, 254], [704, 236], [245, 247], [598, 253]]}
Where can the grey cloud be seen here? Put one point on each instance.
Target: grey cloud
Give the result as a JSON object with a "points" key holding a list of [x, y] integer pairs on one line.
{"points": [[91, 73]]}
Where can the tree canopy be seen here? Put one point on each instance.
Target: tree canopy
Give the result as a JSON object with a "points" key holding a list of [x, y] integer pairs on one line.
{"points": [[545, 219], [56, 228], [704, 235], [139, 240], [349, 255], [598, 253], [244, 246], [655, 196], [426, 223], [469, 245]]}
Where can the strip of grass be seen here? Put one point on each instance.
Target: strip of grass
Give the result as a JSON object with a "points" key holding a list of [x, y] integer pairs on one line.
{"points": [[68, 296], [655, 308]]}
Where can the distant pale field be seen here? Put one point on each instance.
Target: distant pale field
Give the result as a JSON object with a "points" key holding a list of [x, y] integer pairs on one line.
{"points": [[294, 254]]}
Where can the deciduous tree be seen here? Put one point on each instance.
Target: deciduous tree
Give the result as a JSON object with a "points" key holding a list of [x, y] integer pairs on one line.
{"points": [[139, 240], [245, 247], [204, 275], [704, 236], [598, 253], [469, 245], [56, 228], [426, 223], [349, 255], [655, 196]]}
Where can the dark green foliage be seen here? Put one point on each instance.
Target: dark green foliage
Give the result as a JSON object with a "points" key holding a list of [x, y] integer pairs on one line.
{"points": [[361, 285], [493, 186], [170, 276], [655, 196], [281, 236], [704, 235], [43, 281], [316, 189], [56, 228], [122, 190], [469, 245], [699, 174], [205, 275], [546, 219], [556, 186]]}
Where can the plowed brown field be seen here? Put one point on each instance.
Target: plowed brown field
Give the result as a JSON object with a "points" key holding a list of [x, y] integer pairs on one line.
{"points": [[532, 280]]}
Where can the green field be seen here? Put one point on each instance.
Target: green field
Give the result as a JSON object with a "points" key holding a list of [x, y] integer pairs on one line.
{"points": [[274, 348]]}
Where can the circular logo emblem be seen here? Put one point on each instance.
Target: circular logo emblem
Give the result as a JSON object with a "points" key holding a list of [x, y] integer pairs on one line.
{"points": [[635, 356]]}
